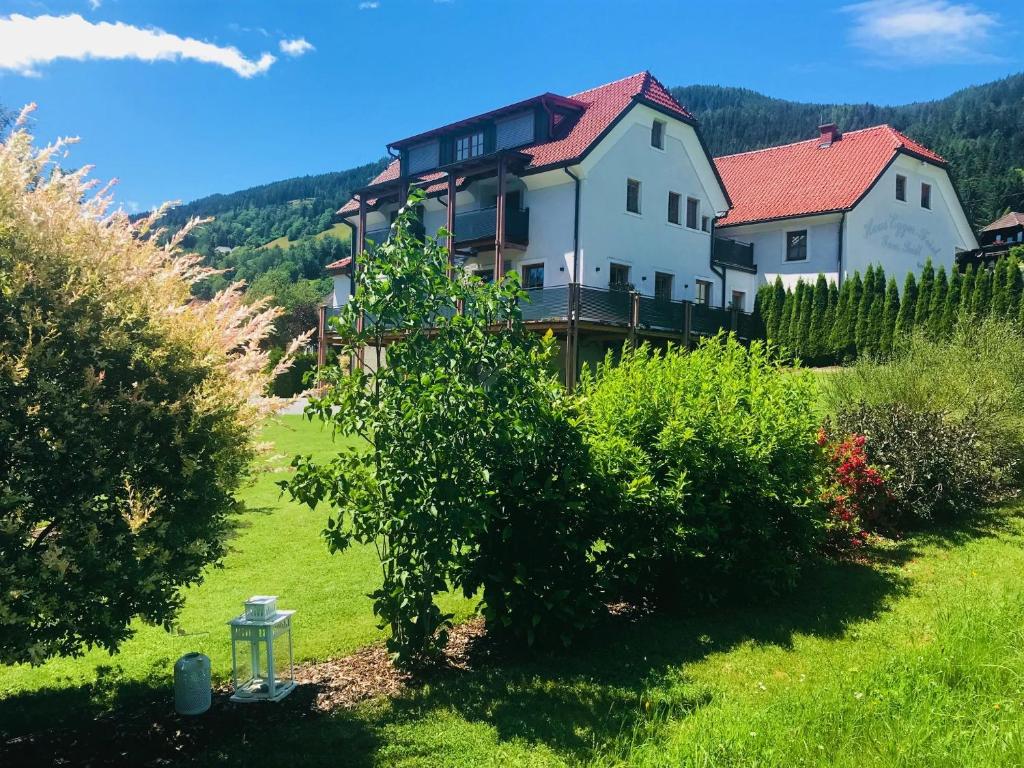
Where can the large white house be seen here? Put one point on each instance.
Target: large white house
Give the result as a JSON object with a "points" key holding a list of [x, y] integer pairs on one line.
{"points": [[619, 223], [838, 202]]}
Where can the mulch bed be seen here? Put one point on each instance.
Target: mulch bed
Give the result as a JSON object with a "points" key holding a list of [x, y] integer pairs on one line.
{"points": [[151, 733]]}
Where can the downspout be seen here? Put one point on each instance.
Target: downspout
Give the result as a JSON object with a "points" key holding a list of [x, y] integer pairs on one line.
{"points": [[839, 251], [711, 260], [575, 228]]}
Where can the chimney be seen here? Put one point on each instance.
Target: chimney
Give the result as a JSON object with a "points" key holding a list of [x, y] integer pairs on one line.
{"points": [[829, 134]]}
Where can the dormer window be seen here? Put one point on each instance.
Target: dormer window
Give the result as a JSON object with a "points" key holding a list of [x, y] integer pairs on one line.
{"points": [[469, 146], [658, 134]]}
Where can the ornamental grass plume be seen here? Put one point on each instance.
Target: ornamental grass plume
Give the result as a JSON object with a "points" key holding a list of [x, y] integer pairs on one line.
{"points": [[128, 409]]}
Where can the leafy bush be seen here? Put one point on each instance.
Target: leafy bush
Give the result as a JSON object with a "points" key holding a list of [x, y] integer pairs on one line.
{"points": [[127, 414], [972, 383], [471, 475], [854, 492], [713, 461], [935, 468]]}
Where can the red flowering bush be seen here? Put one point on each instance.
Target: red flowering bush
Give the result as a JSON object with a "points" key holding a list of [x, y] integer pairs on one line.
{"points": [[854, 492]]}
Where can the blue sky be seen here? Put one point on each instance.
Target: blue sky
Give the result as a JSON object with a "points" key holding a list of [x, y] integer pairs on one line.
{"points": [[185, 98]]}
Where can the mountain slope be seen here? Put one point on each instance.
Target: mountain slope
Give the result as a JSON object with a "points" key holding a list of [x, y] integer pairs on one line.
{"points": [[980, 130]]}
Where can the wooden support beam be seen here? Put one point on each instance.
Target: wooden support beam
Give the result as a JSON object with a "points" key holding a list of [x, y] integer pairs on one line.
{"points": [[450, 224], [360, 248], [499, 224], [321, 347]]}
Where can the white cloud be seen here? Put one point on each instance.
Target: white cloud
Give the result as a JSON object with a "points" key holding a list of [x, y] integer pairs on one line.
{"points": [[369, 5], [26, 43], [95, 4], [296, 47], [922, 31]]}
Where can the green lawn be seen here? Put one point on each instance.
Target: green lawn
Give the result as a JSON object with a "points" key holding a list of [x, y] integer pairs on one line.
{"points": [[913, 657], [339, 231], [276, 549]]}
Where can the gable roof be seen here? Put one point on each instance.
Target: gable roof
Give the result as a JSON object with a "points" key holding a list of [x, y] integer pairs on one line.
{"points": [[1007, 221], [600, 108], [806, 178]]}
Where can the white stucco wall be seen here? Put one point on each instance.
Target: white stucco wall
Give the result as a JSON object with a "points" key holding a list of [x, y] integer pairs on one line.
{"points": [[341, 292], [902, 235], [647, 242], [769, 240]]}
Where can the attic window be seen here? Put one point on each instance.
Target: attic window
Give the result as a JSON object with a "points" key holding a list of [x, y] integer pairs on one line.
{"points": [[901, 188], [658, 134], [469, 146]]}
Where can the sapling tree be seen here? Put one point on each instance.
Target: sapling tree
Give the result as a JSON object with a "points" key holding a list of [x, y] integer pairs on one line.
{"points": [[439, 419]]}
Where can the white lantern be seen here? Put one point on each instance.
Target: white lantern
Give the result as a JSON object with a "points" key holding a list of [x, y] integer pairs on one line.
{"points": [[260, 669]]}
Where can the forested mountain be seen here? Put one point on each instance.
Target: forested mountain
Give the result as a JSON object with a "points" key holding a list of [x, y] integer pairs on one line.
{"points": [[980, 130]]}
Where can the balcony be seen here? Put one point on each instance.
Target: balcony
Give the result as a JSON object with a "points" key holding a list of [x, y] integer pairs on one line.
{"points": [[479, 226], [733, 254], [383, 234]]}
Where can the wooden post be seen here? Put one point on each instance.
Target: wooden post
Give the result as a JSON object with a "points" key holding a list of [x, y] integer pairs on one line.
{"points": [[733, 319], [321, 348], [450, 225], [499, 232], [360, 248], [687, 323]]}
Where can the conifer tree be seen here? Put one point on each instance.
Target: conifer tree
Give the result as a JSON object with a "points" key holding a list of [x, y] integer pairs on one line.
{"points": [[981, 299], [827, 350], [924, 295], [908, 307], [840, 322], [951, 308], [785, 318], [849, 349], [1014, 286], [967, 291], [890, 312], [1000, 296], [867, 298], [778, 308], [816, 346], [938, 303], [763, 308], [806, 313]]}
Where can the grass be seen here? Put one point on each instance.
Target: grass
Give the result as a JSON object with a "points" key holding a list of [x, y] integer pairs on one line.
{"points": [[338, 231], [912, 657], [276, 549]]}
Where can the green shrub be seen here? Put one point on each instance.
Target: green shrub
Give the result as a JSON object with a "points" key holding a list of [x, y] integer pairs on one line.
{"points": [[975, 379], [935, 468], [713, 462], [470, 474]]}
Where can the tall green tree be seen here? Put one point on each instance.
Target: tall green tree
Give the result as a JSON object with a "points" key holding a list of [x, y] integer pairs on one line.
{"points": [[924, 295], [890, 313], [951, 308], [1000, 300], [1014, 285], [967, 291], [816, 336], [779, 305], [981, 300], [908, 307], [828, 351], [837, 341], [867, 298], [938, 303]]}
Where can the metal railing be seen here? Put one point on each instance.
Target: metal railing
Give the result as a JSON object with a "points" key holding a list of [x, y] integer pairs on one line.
{"points": [[482, 224], [733, 253], [624, 309]]}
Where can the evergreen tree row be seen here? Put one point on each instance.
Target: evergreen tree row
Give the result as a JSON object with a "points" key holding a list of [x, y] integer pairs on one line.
{"points": [[824, 324]]}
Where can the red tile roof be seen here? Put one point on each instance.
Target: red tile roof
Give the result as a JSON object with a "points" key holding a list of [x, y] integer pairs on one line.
{"points": [[601, 107], [339, 265], [1012, 219], [805, 178]]}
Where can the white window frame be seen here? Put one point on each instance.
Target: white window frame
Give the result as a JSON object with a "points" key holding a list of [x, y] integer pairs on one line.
{"points": [[679, 209], [664, 131], [639, 197], [472, 144], [531, 265], [697, 283], [696, 215], [785, 246]]}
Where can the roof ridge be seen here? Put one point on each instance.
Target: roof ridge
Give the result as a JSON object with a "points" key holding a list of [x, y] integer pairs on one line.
{"points": [[606, 85], [812, 139]]}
